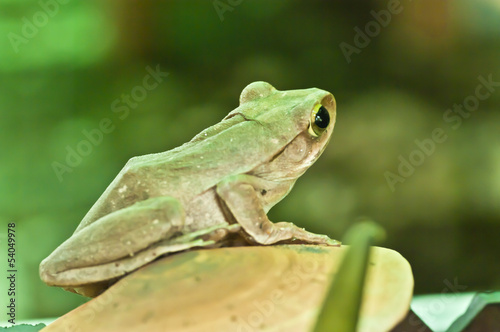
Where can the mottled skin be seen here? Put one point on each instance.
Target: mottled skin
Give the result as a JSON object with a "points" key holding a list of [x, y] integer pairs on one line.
{"points": [[223, 181]]}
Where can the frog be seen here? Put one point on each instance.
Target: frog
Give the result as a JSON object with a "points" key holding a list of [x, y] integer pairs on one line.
{"points": [[214, 190]]}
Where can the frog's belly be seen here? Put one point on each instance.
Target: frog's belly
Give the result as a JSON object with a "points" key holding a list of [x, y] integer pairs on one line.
{"points": [[203, 211]]}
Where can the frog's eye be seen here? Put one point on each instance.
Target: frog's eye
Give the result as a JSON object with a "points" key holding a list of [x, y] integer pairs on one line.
{"points": [[320, 119]]}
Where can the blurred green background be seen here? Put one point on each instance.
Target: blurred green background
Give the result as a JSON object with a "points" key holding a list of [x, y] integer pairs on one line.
{"points": [[66, 65]]}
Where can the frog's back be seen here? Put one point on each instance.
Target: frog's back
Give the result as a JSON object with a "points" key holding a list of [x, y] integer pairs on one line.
{"points": [[194, 167], [186, 171]]}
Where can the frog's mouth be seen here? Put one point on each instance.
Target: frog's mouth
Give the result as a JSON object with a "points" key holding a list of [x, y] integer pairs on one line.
{"points": [[296, 157]]}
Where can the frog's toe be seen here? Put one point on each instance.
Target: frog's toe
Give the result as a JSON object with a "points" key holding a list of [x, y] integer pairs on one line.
{"points": [[326, 240], [332, 242]]}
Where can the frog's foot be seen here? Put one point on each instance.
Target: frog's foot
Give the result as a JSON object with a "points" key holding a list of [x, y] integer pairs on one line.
{"points": [[202, 238], [320, 240], [286, 232], [243, 201]]}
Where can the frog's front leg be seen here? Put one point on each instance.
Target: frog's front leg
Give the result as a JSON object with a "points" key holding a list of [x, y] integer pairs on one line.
{"points": [[104, 249], [240, 193]]}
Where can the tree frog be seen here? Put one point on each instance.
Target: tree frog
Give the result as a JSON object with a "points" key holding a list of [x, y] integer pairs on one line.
{"points": [[217, 187]]}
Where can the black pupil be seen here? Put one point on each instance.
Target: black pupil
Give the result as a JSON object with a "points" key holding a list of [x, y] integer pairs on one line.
{"points": [[322, 118]]}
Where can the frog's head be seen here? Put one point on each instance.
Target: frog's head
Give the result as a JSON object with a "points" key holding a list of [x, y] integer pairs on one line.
{"points": [[299, 122]]}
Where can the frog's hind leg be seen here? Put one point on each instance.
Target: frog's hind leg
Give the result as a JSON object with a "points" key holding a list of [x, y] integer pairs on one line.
{"points": [[118, 268], [207, 237], [93, 253]]}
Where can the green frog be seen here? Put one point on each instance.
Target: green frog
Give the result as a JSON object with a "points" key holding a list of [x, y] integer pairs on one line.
{"points": [[216, 187]]}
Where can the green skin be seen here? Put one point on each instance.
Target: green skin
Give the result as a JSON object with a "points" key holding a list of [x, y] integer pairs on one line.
{"points": [[219, 185]]}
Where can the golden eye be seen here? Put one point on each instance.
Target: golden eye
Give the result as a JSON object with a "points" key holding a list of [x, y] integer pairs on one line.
{"points": [[320, 119]]}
